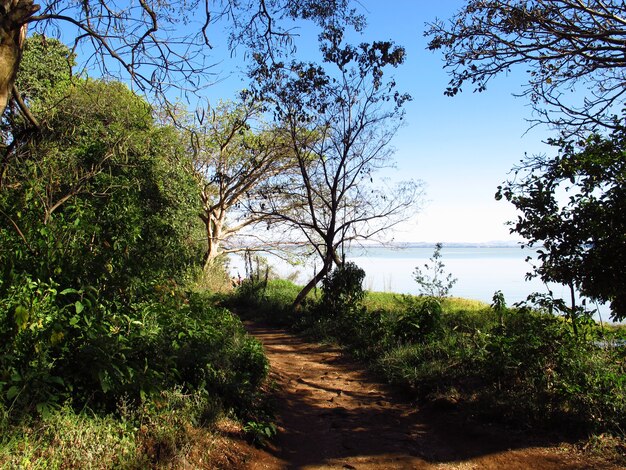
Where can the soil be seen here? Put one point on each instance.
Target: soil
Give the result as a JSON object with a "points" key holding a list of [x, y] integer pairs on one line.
{"points": [[331, 414]]}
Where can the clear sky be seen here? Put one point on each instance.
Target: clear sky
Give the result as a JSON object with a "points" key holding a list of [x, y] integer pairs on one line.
{"points": [[461, 147]]}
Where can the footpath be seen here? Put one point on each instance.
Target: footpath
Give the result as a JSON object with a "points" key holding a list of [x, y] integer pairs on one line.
{"points": [[333, 415]]}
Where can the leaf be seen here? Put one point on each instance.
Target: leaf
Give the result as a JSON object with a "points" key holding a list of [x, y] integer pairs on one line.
{"points": [[44, 409], [13, 392], [56, 379], [69, 290], [21, 316], [79, 306]]}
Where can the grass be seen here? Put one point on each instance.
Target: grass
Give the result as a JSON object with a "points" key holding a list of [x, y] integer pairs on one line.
{"points": [[525, 367], [166, 433]]}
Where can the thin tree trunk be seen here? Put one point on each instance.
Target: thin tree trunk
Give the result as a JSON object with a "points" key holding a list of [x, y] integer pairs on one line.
{"points": [[306, 289], [573, 315], [312, 283]]}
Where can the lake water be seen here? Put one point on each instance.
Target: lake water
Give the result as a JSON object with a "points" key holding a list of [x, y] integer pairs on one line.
{"points": [[480, 271]]}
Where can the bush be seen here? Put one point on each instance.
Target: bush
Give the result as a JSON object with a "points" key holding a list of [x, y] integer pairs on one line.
{"points": [[342, 290], [514, 364], [420, 321], [60, 345]]}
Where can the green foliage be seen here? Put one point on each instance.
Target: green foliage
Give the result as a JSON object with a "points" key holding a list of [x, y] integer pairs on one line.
{"points": [[46, 66], [342, 290], [99, 196], [433, 281], [420, 321], [67, 345], [65, 439], [519, 365], [270, 302], [581, 238], [156, 434], [100, 216], [260, 432], [529, 369]]}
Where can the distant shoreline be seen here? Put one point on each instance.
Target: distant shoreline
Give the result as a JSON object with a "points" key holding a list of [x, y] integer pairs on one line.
{"points": [[492, 244]]}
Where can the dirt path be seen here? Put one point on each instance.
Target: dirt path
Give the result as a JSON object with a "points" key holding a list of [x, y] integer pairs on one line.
{"points": [[333, 415]]}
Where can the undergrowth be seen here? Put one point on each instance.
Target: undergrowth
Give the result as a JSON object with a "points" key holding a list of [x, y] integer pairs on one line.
{"points": [[522, 366]]}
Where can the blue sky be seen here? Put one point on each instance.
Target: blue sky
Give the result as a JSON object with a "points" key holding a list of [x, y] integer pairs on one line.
{"points": [[461, 147]]}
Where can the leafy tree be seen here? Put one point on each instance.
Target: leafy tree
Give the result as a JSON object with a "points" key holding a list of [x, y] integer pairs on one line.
{"points": [[159, 45], [99, 194], [233, 153], [99, 224], [565, 45], [573, 208], [339, 120], [571, 204]]}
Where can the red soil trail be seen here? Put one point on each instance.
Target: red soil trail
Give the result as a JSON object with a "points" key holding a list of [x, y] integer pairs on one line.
{"points": [[333, 415]]}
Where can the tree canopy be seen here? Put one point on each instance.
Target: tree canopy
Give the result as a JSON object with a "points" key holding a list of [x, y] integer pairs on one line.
{"points": [[572, 51], [233, 152], [339, 119], [158, 45], [573, 209]]}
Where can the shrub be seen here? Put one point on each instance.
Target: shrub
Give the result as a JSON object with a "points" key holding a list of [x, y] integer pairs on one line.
{"points": [[59, 345], [420, 321], [433, 280], [342, 290]]}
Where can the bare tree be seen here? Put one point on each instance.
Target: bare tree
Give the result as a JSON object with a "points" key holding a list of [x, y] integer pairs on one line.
{"points": [[158, 45], [565, 45], [340, 123], [233, 153]]}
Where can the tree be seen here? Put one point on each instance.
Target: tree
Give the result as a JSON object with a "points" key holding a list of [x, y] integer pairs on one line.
{"points": [[573, 208], [97, 195], [14, 16], [565, 45], [158, 45], [233, 153], [571, 204], [339, 120]]}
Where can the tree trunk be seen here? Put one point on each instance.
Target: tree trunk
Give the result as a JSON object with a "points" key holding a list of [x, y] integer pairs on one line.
{"points": [[312, 283], [14, 15], [211, 253], [213, 228]]}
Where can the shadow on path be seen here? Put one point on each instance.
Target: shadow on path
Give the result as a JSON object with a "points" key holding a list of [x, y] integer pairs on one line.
{"points": [[332, 414]]}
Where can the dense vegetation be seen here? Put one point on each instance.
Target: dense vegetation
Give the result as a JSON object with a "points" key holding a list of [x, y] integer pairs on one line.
{"points": [[110, 229], [99, 326], [524, 366]]}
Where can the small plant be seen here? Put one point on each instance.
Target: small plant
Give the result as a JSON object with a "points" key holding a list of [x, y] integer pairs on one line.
{"points": [[433, 280], [420, 321], [499, 306], [260, 432]]}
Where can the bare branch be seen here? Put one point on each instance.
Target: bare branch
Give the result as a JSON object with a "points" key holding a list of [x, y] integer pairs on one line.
{"points": [[567, 45]]}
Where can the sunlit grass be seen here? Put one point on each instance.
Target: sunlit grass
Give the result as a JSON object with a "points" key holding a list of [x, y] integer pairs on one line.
{"points": [[393, 302]]}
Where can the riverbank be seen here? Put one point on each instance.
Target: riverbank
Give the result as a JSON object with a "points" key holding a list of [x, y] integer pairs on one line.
{"points": [[480, 270]]}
